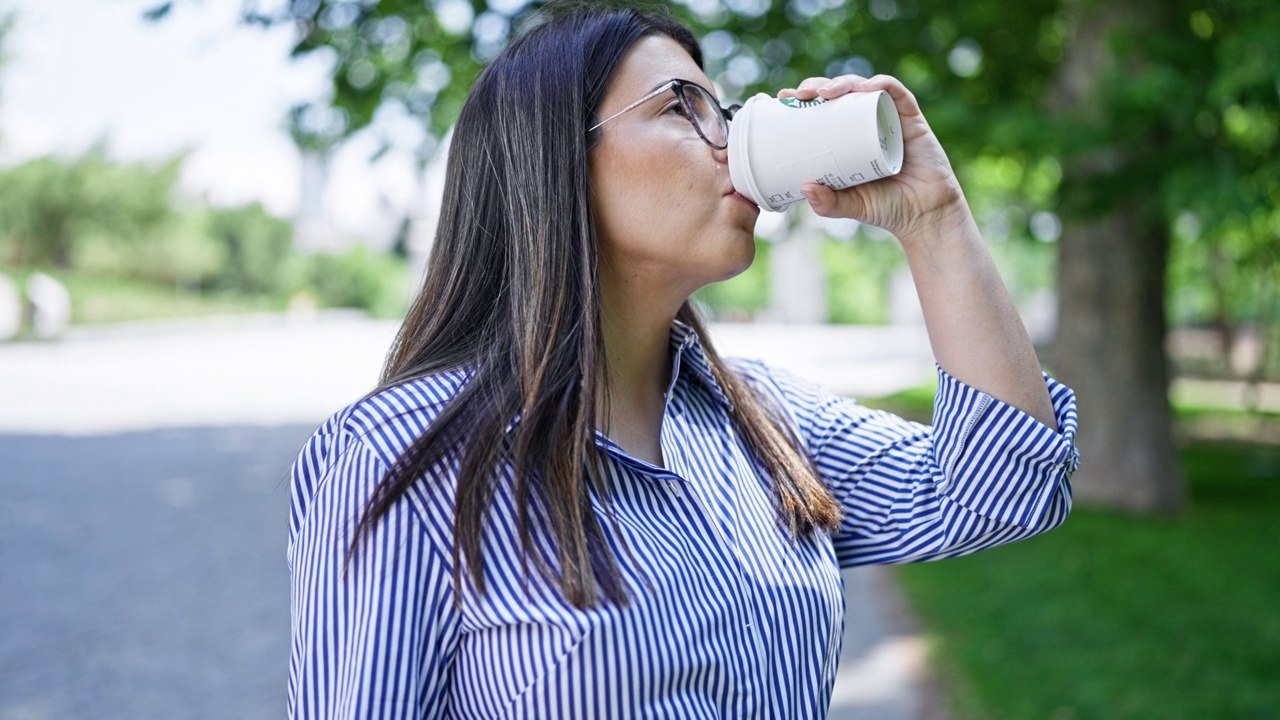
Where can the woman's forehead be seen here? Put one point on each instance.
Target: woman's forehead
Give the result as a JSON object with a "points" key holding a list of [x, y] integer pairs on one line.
{"points": [[652, 61]]}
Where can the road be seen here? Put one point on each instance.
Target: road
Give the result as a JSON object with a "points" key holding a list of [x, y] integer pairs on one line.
{"points": [[144, 574]]}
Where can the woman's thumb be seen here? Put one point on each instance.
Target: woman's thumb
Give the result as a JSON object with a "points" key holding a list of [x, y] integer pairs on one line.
{"points": [[829, 203], [821, 198]]}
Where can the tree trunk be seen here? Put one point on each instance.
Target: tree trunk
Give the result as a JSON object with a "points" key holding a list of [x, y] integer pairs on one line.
{"points": [[1110, 350], [1110, 344], [62, 246]]}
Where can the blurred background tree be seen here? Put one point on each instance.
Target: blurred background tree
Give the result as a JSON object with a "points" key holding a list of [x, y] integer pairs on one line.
{"points": [[257, 246], [129, 245], [49, 203], [6, 26], [1140, 138]]}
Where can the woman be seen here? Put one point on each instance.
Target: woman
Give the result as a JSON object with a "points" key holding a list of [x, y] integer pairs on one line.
{"points": [[561, 502]]}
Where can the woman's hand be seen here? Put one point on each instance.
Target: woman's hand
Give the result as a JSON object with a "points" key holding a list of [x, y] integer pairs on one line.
{"points": [[923, 197], [973, 326]]}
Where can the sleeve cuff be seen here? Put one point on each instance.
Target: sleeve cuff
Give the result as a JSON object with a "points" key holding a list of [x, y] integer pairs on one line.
{"points": [[997, 460]]}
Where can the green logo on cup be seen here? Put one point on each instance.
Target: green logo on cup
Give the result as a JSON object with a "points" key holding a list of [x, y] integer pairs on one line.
{"points": [[798, 103]]}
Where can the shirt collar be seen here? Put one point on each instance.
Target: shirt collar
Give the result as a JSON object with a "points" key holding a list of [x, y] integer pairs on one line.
{"points": [[688, 354]]}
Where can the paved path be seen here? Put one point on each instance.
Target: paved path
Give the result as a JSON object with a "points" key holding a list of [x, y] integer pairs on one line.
{"points": [[142, 520], [144, 574], [277, 369]]}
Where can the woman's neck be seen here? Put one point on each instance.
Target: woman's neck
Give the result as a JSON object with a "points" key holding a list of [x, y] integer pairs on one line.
{"points": [[637, 339]]}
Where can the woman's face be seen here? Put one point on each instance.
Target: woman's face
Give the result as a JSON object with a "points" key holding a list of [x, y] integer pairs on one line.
{"points": [[666, 214]]}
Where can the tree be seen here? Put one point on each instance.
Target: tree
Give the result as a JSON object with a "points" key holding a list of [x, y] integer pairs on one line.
{"points": [[1173, 110], [6, 26], [256, 246], [49, 204], [7, 21], [1121, 118]]}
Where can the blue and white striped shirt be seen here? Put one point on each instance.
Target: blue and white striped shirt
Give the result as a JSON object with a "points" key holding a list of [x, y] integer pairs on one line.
{"points": [[737, 622]]}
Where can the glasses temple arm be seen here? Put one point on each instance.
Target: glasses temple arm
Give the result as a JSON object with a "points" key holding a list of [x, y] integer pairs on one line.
{"points": [[634, 105]]}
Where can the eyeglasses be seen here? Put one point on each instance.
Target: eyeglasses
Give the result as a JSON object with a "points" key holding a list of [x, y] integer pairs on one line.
{"points": [[700, 107]]}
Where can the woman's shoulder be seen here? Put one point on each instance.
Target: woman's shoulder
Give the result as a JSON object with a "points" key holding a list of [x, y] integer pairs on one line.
{"points": [[778, 383], [390, 419], [344, 461]]}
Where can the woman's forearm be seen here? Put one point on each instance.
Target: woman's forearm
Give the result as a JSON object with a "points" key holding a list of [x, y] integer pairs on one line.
{"points": [[975, 331]]}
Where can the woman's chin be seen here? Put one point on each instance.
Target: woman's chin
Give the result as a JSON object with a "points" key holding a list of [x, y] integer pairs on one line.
{"points": [[742, 262]]}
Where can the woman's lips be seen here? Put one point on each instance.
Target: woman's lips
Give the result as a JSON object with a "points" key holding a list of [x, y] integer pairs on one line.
{"points": [[743, 198]]}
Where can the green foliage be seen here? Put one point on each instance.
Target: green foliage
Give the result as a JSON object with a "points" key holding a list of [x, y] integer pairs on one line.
{"points": [[98, 298], [256, 247], [857, 277], [177, 252], [421, 58], [357, 278], [1119, 617], [740, 297], [131, 249], [1185, 127], [858, 272], [105, 217], [1212, 94], [49, 205]]}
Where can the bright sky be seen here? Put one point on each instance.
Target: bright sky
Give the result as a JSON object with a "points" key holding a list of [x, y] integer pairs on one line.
{"points": [[78, 70]]}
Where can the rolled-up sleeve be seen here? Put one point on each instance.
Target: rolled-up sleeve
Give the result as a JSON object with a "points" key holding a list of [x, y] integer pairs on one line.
{"points": [[984, 474], [377, 643]]}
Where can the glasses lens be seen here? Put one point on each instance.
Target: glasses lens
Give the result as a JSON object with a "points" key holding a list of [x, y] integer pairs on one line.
{"points": [[707, 115]]}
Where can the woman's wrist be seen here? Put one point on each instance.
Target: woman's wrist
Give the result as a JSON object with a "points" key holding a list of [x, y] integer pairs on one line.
{"points": [[951, 219]]}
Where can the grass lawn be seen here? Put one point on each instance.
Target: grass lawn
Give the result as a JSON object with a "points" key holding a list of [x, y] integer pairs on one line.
{"points": [[1113, 616], [361, 279], [101, 299], [97, 299]]}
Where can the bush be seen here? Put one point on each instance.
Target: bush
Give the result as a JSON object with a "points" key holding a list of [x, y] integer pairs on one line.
{"points": [[256, 248], [357, 278], [48, 205], [179, 253], [742, 296], [858, 272]]}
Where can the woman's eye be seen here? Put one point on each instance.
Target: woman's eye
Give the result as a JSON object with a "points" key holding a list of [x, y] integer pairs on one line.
{"points": [[678, 108]]}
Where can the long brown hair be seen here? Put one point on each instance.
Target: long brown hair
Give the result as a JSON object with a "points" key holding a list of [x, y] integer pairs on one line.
{"points": [[511, 296]]}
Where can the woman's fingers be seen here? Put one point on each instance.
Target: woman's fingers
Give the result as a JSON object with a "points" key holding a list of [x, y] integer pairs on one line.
{"points": [[925, 181], [829, 88], [829, 203], [807, 90], [821, 198], [903, 99], [842, 85]]}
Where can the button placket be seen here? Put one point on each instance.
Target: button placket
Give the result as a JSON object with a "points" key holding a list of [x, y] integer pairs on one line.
{"points": [[738, 462], [745, 587], [673, 482], [753, 661]]}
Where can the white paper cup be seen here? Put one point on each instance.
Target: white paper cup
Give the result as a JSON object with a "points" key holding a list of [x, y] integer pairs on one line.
{"points": [[778, 144]]}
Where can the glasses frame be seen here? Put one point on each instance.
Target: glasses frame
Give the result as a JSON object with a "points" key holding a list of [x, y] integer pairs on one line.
{"points": [[678, 86]]}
